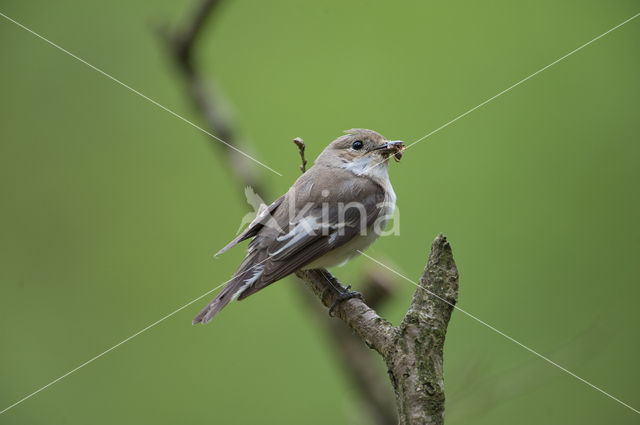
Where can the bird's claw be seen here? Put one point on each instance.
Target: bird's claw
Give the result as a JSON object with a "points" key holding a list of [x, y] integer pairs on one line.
{"points": [[342, 296]]}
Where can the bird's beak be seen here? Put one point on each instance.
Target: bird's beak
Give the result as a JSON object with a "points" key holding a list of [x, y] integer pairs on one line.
{"points": [[394, 147]]}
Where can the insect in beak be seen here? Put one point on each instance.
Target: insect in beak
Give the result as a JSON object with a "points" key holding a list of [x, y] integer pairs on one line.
{"points": [[394, 148]]}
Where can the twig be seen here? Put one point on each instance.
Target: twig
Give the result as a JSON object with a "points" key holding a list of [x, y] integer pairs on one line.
{"points": [[300, 144]]}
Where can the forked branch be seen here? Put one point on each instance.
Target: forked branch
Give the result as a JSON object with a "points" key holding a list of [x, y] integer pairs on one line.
{"points": [[412, 351]]}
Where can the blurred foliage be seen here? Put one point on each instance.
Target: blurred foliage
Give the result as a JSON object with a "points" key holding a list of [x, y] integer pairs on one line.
{"points": [[111, 208]]}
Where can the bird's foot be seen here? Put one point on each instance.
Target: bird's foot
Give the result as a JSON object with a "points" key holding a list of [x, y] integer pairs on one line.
{"points": [[343, 295]]}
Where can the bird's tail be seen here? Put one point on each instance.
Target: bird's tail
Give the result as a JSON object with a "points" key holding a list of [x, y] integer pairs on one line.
{"points": [[234, 288]]}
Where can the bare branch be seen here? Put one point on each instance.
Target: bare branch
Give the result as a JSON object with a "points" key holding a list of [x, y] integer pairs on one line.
{"points": [[414, 350], [301, 146], [416, 368], [361, 365], [180, 44], [373, 329], [184, 41]]}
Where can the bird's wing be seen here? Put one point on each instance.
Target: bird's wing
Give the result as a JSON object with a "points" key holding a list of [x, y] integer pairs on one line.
{"points": [[293, 237], [318, 230], [263, 218]]}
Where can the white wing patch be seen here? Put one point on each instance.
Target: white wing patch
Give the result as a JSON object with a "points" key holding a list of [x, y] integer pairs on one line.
{"points": [[258, 270], [304, 229]]}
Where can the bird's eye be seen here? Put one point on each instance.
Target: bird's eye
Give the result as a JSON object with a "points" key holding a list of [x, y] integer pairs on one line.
{"points": [[357, 145]]}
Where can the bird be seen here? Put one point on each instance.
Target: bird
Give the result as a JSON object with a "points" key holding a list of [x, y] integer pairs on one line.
{"points": [[331, 213]]}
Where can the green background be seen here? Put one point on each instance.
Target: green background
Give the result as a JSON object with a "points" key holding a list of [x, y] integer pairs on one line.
{"points": [[112, 208]]}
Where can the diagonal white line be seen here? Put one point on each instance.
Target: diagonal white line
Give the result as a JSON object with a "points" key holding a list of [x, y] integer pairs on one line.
{"points": [[112, 78], [91, 360], [514, 85], [523, 80], [531, 350]]}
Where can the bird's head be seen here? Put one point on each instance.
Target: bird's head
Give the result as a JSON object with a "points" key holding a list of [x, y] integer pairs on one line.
{"points": [[361, 151]]}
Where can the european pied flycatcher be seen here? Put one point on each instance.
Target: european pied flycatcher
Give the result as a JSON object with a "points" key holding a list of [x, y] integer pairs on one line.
{"points": [[337, 208]]}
